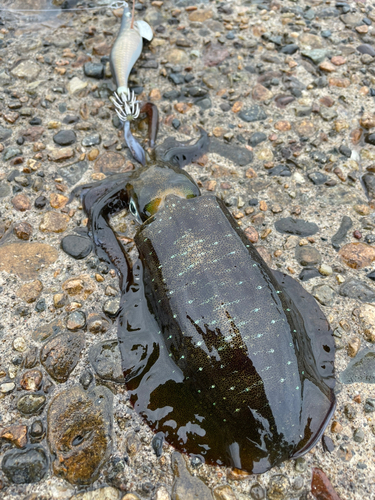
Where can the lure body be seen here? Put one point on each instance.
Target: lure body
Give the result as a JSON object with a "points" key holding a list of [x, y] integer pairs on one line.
{"points": [[127, 49]]}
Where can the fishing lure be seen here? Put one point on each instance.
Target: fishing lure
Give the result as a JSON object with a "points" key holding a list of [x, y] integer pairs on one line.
{"points": [[124, 54]]}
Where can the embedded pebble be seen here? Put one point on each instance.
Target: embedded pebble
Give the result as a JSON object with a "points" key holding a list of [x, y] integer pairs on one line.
{"points": [[54, 222], [360, 369], [356, 289], [106, 493], [339, 237], [65, 137], [257, 492], [324, 294], [105, 358], [185, 486], [307, 256], [76, 321], [297, 227], [278, 487], [79, 432], [31, 404], [76, 246], [29, 292], [25, 466], [60, 355], [357, 255]]}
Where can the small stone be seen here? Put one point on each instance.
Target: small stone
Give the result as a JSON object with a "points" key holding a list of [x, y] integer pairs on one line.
{"points": [[76, 246], [30, 291], [60, 300], [37, 431], [106, 493], [75, 85], [31, 404], [91, 140], [318, 178], [360, 369], [65, 137], [283, 126], [297, 227], [257, 492], [93, 154], [7, 387], [261, 93], [324, 294], [357, 255], [256, 139], [253, 114], [321, 487], [105, 358], [339, 237], [97, 324], [307, 256], [325, 270], [369, 406], [278, 487], [356, 289], [25, 466], [31, 380], [21, 202], [19, 344], [15, 434], [358, 436], [366, 317], [367, 120], [54, 222], [27, 69], [86, 378], [76, 321], [60, 355], [353, 346], [79, 434], [366, 49], [60, 154], [162, 494], [109, 161], [336, 427], [186, 486], [111, 306], [305, 128], [58, 200], [308, 273], [224, 492], [26, 259], [94, 70], [23, 230], [177, 57], [200, 16]]}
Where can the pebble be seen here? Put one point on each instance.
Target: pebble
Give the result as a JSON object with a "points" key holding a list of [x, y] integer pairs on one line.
{"points": [[60, 154], [7, 387], [25, 466], [76, 321], [15, 434], [21, 202], [308, 273], [65, 137], [109, 161], [339, 237], [26, 259], [97, 324], [252, 114], [29, 292], [257, 138], [298, 227], [353, 346], [94, 70], [91, 140], [356, 289], [76, 246], [321, 486], [357, 255], [79, 434], [366, 317], [26, 69], [369, 406], [31, 380], [106, 493], [278, 487], [60, 355], [111, 306], [224, 492], [54, 222], [86, 378], [185, 486], [76, 85], [73, 173], [324, 294], [257, 492], [31, 404], [307, 256], [105, 358], [369, 182], [23, 230]]}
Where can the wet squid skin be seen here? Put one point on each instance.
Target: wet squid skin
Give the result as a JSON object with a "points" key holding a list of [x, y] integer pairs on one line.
{"points": [[230, 360]]}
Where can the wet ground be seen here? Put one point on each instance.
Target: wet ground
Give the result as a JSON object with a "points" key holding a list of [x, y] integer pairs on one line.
{"points": [[286, 90]]}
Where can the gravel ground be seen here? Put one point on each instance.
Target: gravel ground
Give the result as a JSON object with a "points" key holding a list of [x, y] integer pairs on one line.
{"points": [[286, 91]]}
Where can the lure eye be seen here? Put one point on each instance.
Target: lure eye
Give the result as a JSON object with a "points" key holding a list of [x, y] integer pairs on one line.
{"points": [[133, 208]]}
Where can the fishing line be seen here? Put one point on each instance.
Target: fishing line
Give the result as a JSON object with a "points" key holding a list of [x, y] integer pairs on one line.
{"points": [[119, 4]]}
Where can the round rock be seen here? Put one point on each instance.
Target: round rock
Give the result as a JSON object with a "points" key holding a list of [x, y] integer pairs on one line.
{"points": [[76, 246], [65, 137], [307, 256], [25, 466]]}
